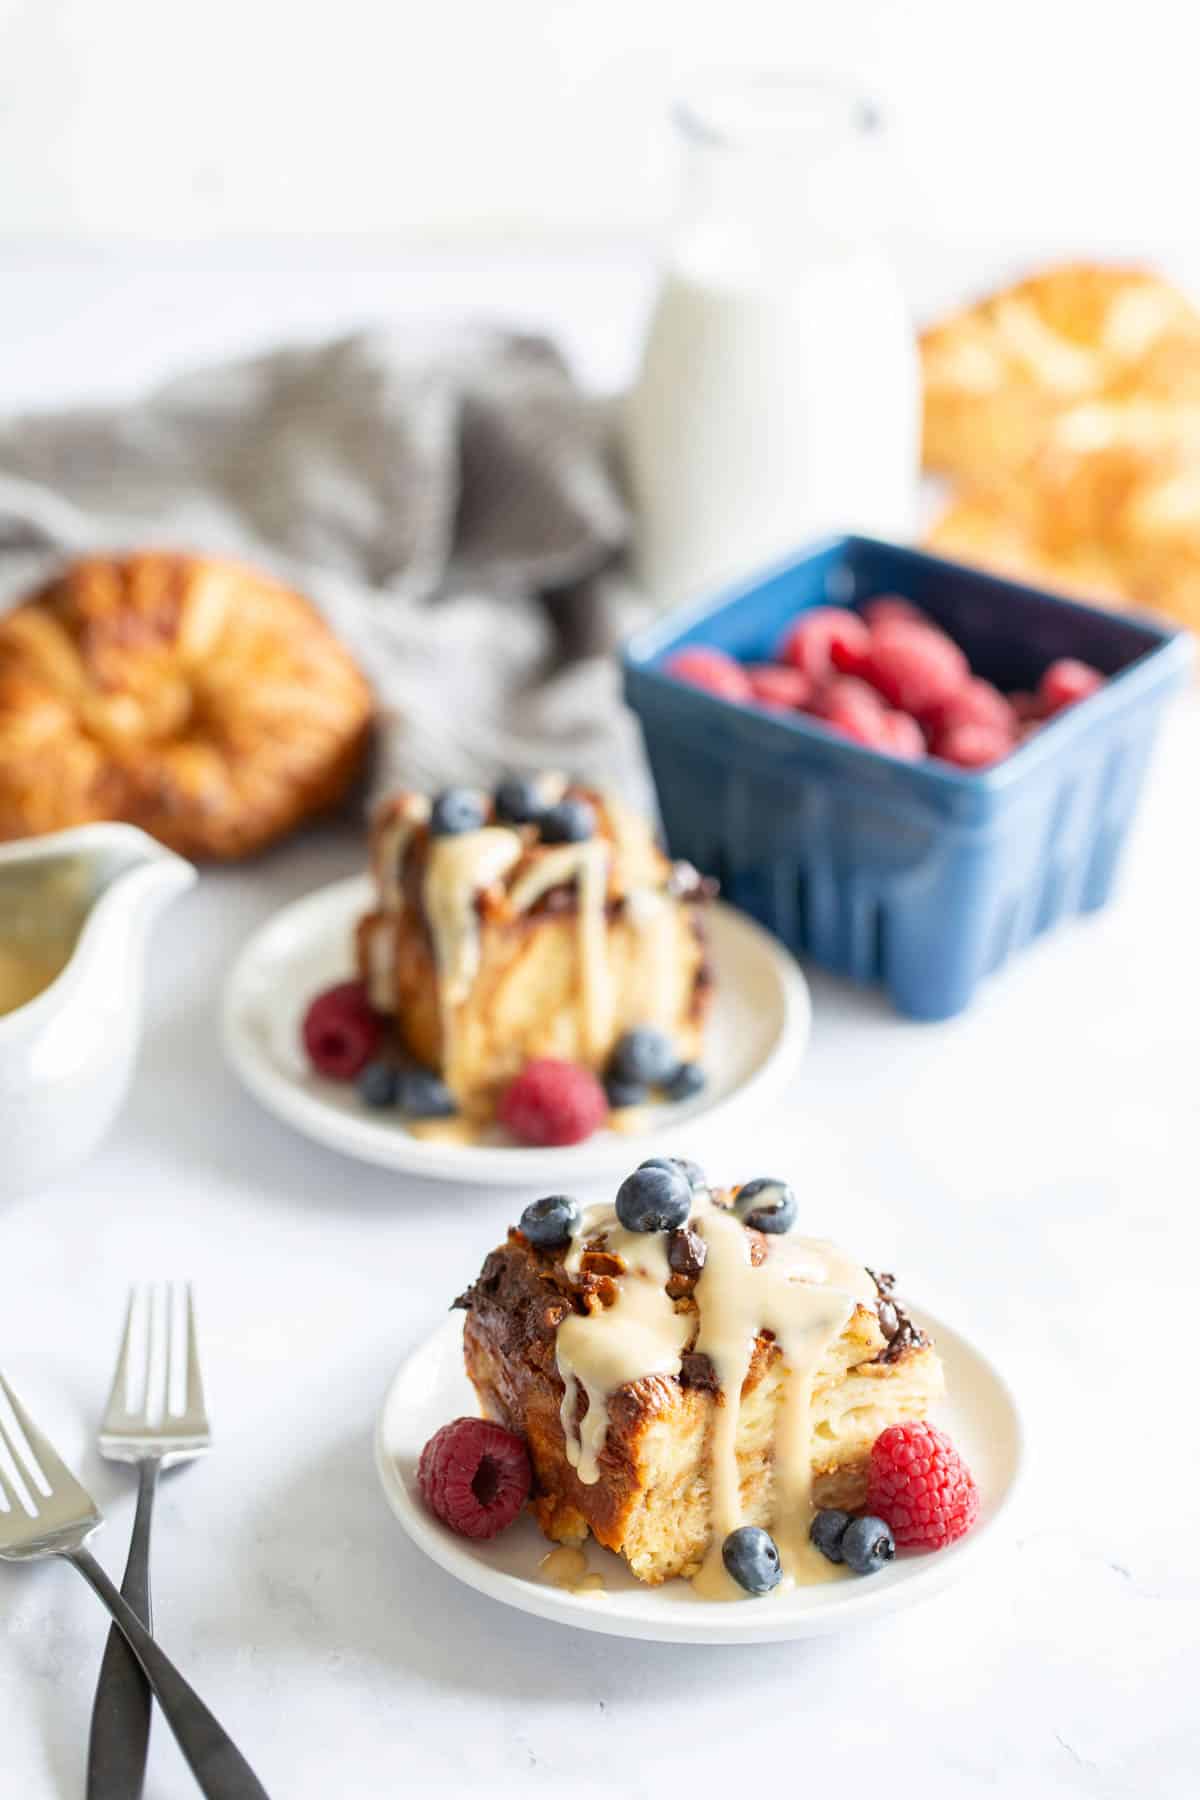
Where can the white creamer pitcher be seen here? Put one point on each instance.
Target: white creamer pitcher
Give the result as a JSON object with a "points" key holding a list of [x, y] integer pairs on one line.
{"points": [[778, 396], [80, 902]]}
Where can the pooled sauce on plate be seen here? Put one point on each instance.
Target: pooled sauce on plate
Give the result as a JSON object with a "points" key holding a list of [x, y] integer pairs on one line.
{"points": [[567, 1568]]}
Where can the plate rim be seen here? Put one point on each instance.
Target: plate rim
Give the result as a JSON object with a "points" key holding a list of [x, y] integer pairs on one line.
{"points": [[862, 1604], [491, 1165]]}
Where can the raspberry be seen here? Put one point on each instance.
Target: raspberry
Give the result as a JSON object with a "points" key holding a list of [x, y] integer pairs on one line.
{"points": [[475, 1477], [974, 746], [900, 735], [341, 1034], [711, 670], [891, 606], [824, 641], [553, 1102], [780, 687], [1065, 683], [920, 1486], [1026, 706], [852, 708], [977, 702], [914, 666]]}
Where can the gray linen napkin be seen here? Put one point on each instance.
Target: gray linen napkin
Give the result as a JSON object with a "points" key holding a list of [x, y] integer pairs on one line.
{"points": [[445, 495]]}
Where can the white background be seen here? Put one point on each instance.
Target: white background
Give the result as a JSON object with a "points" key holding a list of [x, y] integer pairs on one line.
{"points": [[1043, 122]]}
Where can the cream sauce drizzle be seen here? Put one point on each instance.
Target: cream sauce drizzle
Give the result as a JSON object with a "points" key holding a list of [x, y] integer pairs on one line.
{"points": [[588, 865], [600, 1351], [397, 821], [805, 1292], [459, 869]]}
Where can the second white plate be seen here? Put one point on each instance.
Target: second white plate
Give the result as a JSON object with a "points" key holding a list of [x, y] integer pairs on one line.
{"points": [[757, 1034]]}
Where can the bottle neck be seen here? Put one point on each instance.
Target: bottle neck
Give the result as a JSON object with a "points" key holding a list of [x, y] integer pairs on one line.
{"points": [[789, 181]]}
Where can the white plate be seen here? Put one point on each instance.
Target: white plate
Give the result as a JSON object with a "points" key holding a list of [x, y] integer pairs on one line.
{"points": [[757, 1033], [432, 1388]]}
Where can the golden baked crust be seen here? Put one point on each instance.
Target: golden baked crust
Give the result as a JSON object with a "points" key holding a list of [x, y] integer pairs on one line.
{"points": [[525, 997], [651, 1504], [1068, 408], [192, 696], [1004, 376]]}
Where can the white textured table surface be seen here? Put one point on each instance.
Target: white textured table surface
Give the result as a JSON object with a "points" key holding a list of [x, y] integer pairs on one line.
{"points": [[1032, 1170]]}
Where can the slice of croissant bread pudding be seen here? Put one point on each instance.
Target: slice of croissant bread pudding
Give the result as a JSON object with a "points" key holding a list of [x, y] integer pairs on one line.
{"points": [[687, 1364], [541, 922]]}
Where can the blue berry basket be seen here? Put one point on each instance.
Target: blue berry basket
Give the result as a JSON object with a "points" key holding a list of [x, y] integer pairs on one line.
{"points": [[921, 877]]}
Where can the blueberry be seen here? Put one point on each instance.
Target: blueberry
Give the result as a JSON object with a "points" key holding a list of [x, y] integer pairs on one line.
{"points": [[644, 1054], [867, 1544], [550, 1222], [457, 810], [519, 801], [377, 1084], [766, 1205], [424, 1096], [624, 1093], [750, 1555], [570, 822], [688, 1079], [826, 1532], [697, 1179], [656, 1197]]}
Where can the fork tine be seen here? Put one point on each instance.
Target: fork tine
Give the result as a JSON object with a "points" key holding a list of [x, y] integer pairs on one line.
{"points": [[8, 1492], [195, 1387], [53, 1472], [118, 1398]]}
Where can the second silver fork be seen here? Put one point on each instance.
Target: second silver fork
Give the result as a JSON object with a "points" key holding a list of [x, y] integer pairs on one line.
{"points": [[155, 1417]]}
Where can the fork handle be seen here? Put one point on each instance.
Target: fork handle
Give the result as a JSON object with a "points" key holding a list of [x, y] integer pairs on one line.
{"points": [[214, 1759], [120, 1736]]}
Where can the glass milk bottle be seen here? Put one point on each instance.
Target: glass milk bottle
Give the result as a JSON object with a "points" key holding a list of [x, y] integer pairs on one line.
{"points": [[778, 396]]}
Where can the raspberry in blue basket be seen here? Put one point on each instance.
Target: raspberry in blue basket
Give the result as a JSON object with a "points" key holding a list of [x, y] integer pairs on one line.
{"points": [[551, 1222], [779, 687], [475, 1477], [644, 1054], [867, 1544], [914, 666], [1065, 683], [625, 1093], [825, 641], [457, 810], [766, 1205], [751, 1556], [712, 670], [688, 1080], [569, 822], [423, 1095], [377, 1084], [898, 734], [553, 1103], [974, 746], [827, 1530], [519, 801], [656, 1197]]}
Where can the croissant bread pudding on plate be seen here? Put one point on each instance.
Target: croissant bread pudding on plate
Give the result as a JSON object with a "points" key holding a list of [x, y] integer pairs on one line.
{"points": [[192, 696], [1066, 411], [706, 1391], [530, 956]]}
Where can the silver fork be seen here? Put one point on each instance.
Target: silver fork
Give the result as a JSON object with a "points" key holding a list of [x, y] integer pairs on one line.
{"points": [[45, 1512], [155, 1417]]}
